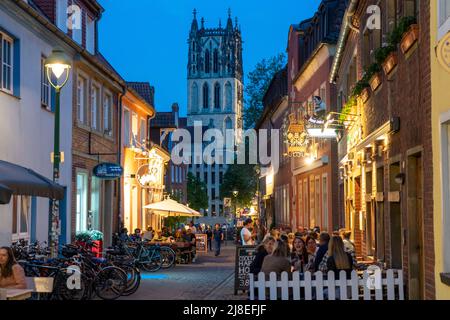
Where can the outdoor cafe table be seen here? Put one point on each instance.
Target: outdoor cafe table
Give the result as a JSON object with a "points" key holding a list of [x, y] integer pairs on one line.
{"points": [[179, 247], [18, 294]]}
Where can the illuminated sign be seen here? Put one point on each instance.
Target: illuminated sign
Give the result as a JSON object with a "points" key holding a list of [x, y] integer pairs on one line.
{"points": [[108, 171], [443, 52], [147, 175], [322, 133]]}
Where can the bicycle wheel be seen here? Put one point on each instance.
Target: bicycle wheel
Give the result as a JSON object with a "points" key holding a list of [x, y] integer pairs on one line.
{"points": [[150, 260], [110, 283], [168, 257], [133, 279], [65, 289]]}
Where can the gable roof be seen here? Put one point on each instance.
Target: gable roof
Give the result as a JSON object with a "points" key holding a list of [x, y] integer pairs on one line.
{"points": [[145, 90]]}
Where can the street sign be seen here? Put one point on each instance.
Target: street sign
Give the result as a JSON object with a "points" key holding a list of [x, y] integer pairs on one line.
{"points": [[244, 258], [227, 202], [108, 171]]}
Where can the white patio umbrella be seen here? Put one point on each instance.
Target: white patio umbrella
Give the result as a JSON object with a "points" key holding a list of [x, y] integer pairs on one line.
{"points": [[171, 207]]}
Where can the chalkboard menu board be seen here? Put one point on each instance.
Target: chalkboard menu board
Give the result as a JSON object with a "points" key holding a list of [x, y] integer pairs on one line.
{"points": [[201, 242], [244, 258]]}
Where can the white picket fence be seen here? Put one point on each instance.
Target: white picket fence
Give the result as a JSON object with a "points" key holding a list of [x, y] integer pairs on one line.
{"points": [[388, 286]]}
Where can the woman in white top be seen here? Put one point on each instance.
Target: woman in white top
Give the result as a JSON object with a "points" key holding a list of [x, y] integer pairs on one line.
{"points": [[246, 235]]}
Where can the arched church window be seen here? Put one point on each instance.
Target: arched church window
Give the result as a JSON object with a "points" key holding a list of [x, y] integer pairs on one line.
{"points": [[194, 97], [205, 96], [228, 96], [216, 61], [217, 95], [207, 62]]}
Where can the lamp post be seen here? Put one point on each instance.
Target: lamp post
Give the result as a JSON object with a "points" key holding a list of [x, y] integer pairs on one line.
{"points": [[235, 194], [55, 66]]}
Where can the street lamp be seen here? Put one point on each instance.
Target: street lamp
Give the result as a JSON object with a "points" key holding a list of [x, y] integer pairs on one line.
{"points": [[235, 194], [56, 65]]}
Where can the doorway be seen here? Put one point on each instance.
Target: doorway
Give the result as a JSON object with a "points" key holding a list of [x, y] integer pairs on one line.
{"points": [[395, 219], [107, 214], [415, 226], [379, 208]]}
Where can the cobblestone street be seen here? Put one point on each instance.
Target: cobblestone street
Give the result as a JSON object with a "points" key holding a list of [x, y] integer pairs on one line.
{"points": [[209, 278]]}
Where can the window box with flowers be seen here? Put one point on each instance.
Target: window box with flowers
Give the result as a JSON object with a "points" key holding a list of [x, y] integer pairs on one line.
{"points": [[410, 38], [390, 63]]}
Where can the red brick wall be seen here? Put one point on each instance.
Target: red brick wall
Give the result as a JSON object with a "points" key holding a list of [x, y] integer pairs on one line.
{"points": [[406, 94]]}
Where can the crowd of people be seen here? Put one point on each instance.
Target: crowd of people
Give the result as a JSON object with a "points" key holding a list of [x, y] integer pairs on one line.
{"points": [[306, 250]]}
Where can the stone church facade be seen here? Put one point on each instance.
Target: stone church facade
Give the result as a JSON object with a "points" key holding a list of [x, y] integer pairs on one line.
{"points": [[215, 93]]}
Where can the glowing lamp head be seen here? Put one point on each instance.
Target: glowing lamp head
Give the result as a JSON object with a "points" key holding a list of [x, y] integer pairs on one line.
{"points": [[58, 63]]}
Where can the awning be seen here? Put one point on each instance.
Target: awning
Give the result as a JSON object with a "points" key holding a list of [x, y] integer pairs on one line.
{"points": [[23, 181], [5, 194], [170, 207]]}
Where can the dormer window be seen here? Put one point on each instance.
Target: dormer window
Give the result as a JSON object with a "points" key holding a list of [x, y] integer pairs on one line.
{"points": [[90, 34]]}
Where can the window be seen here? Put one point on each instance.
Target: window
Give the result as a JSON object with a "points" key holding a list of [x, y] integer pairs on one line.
{"points": [[205, 96], [444, 17], [81, 100], [134, 127], [213, 177], [228, 96], [90, 34], [207, 61], [81, 204], [216, 61], [95, 108], [143, 131], [94, 213], [126, 127], [445, 183], [21, 212], [194, 97], [76, 30], [220, 177], [45, 88], [205, 177], [6, 63], [61, 14], [217, 96], [172, 173], [107, 114]]}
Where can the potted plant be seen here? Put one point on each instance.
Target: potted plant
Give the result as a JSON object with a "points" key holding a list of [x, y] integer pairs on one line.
{"points": [[390, 63], [373, 76], [82, 238], [96, 238], [410, 38]]}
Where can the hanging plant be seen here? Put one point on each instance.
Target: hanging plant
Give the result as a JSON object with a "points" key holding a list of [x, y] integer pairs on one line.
{"points": [[402, 27]]}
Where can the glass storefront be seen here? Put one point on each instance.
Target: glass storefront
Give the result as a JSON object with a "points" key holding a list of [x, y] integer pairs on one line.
{"points": [[81, 209]]}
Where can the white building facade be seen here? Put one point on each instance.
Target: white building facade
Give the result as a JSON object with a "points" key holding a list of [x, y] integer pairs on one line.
{"points": [[27, 120]]}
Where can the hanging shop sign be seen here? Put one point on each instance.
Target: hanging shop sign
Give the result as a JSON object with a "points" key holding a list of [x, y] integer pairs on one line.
{"points": [[108, 171], [147, 175], [295, 136], [443, 52]]}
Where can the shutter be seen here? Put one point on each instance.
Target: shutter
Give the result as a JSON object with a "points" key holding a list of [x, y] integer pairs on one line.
{"points": [[16, 68]]}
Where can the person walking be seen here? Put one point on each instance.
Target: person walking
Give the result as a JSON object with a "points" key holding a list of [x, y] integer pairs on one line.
{"points": [[209, 236], [218, 238]]}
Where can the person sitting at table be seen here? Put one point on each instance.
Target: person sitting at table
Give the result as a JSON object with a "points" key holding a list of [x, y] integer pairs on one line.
{"points": [[265, 248], [190, 237], [148, 235], [311, 249], [12, 275], [278, 261], [178, 235], [165, 232], [136, 236], [299, 255], [123, 236], [338, 259]]}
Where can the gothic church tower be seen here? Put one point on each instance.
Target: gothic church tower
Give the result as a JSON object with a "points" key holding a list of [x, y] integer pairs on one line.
{"points": [[215, 91]]}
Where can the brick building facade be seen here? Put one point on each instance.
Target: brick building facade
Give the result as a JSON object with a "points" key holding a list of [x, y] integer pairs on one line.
{"points": [[385, 152]]}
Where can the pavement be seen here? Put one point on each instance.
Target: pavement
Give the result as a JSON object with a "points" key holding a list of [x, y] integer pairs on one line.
{"points": [[208, 278]]}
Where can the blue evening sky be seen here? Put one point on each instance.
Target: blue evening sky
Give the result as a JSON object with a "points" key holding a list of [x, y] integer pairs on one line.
{"points": [[146, 40]]}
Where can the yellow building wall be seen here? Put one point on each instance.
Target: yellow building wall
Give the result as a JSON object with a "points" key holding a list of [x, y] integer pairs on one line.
{"points": [[440, 82]]}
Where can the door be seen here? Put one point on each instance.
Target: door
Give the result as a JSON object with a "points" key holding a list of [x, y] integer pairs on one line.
{"points": [[134, 208], [395, 217], [415, 227], [107, 212]]}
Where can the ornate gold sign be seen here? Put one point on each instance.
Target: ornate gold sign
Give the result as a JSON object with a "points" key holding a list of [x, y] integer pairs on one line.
{"points": [[443, 52]]}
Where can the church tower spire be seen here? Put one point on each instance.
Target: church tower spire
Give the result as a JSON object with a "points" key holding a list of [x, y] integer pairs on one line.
{"points": [[194, 25]]}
